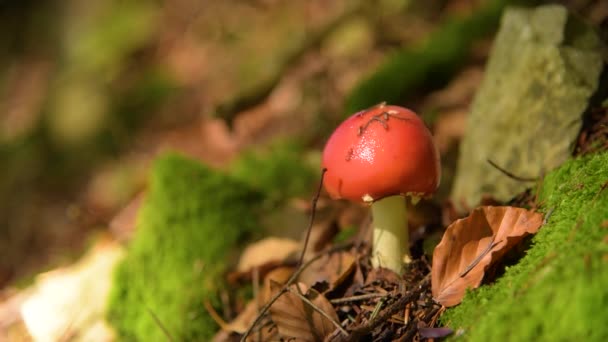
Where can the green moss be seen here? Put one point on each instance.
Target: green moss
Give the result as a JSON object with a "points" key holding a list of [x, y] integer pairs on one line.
{"points": [[559, 290], [189, 222], [280, 171], [429, 64]]}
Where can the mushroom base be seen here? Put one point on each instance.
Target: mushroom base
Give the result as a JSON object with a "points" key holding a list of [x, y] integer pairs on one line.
{"points": [[390, 233]]}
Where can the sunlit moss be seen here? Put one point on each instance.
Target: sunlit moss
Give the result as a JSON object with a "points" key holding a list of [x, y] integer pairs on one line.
{"points": [[191, 219], [559, 290], [282, 170]]}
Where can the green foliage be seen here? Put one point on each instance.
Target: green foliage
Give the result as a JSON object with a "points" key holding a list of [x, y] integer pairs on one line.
{"points": [[135, 103], [190, 220], [99, 38], [345, 234], [281, 171], [559, 290], [427, 65]]}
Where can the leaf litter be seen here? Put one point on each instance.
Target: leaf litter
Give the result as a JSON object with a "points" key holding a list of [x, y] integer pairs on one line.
{"points": [[335, 295], [470, 245], [302, 317]]}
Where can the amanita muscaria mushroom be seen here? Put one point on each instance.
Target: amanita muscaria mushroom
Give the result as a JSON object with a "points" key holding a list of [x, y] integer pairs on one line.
{"points": [[378, 156]]}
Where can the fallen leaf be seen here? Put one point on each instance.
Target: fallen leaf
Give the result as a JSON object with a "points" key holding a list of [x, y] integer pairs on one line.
{"points": [[332, 268], [279, 275], [72, 301], [122, 225], [208, 140], [247, 316], [470, 245], [243, 320], [12, 327], [297, 320], [382, 275], [265, 251], [263, 257], [240, 324]]}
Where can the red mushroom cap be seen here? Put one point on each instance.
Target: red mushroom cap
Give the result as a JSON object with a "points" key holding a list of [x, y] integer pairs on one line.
{"points": [[379, 152]]}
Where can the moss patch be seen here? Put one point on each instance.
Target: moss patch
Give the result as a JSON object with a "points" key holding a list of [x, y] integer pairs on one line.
{"points": [[281, 171], [559, 290], [190, 220]]}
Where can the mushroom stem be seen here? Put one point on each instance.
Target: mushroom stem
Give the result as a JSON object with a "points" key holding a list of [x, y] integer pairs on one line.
{"points": [[390, 233]]}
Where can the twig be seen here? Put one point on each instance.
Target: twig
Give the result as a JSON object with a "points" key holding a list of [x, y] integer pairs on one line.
{"points": [[491, 245], [358, 333], [160, 325], [511, 175], [255, 280], [437, 315], [317, 309], [602, 188], [357, 298], [547, 215], [215, 316], [285, 287], [377, 308], [313, 212]]}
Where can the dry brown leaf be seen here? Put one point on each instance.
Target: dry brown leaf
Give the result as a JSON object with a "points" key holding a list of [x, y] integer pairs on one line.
{"points": [[383, 275], [71, 301], [208, 140], [241, 323], [263, 257], [122, 225], [247, 316], [268, 250], [296, 320], [332, 268], [471, 244], [279, 275]]}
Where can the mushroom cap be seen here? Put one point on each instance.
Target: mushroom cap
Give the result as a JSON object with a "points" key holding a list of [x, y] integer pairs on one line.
{"points": [[379, 152]]}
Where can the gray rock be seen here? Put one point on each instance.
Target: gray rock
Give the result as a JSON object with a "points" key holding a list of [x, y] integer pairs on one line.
{"points": [[543, 69]]}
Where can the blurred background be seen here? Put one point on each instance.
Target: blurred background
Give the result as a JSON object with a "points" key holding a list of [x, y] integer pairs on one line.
{"points": [[91, 91]]}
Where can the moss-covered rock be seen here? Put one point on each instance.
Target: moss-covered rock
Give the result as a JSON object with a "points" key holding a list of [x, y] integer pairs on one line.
{"points": [[189, 222], [559, 290], [544, 68]]}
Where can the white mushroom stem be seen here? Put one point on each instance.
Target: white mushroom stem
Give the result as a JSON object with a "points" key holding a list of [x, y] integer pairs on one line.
{"points": [[390, 233]]}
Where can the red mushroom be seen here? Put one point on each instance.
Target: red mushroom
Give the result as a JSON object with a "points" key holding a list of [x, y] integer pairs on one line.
{"points": [[378, 156]]}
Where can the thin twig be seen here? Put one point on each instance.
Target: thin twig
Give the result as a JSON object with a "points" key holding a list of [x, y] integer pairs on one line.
{"points": [[289, 282], [215, 316], [358, 333], [547, 215], [313, 212], [300, 266], [357, 298], [511, 175], [377, 308], [602, 188], [160, 325], [491, 245], [317, 309], [255, 280]]}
